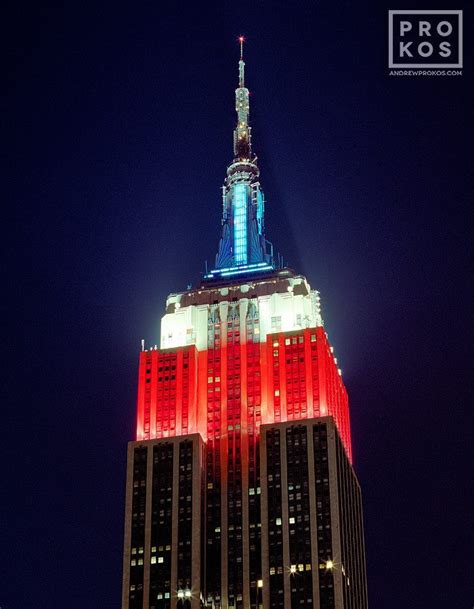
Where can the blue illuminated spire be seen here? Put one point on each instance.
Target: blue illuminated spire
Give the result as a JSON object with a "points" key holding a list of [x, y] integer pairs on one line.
{"points": [[243, 247]]}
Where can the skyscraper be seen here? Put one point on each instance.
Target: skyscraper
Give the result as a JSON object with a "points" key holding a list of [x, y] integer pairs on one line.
{"points": [[240, 489]]}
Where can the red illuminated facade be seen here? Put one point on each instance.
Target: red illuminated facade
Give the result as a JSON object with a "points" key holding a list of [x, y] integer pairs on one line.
{"points": [[290, 376]]}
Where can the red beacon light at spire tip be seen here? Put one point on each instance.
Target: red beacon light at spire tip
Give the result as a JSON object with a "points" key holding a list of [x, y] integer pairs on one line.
{"points": [[241, 42]]}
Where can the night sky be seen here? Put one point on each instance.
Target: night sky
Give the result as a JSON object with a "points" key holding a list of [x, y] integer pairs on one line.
{"points": [[118, 128]]}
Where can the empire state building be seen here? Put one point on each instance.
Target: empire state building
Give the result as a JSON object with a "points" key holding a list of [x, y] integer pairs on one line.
{"points": [[241, 492]]}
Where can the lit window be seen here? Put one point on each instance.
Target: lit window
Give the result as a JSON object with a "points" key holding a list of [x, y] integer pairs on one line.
{"points": [[167, 594], [278, 522], [313, 338], [153, 549], [292, 520], [308, 567], [300, 567], [275, 343], [134, 550], [260, 583], [293, 569], [140, 561], [160, 559], [272, 570], [153, 560], [133, 562], [277, 392], [287, 341]]}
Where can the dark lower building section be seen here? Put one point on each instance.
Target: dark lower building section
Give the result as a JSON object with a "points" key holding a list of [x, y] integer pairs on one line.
{"points": [[287, 536], [164, 524], [312, 531]]}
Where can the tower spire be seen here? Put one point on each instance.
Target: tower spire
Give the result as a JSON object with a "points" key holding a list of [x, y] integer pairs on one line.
{"points": [[241, 63], [242, 133], [243, 247]]}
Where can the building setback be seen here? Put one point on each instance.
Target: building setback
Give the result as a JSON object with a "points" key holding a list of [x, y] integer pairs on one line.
{"points": [[240, 489], [164, 522], [312, 529]]}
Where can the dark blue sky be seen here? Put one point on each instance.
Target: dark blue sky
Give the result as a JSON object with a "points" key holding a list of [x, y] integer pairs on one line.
{"points": [[118, 123]]}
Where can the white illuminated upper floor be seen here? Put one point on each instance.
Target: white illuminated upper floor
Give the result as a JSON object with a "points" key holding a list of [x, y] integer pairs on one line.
{"points": [[281, 302]]}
